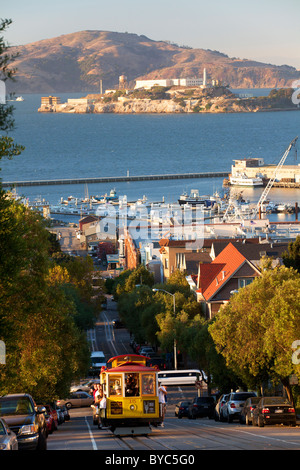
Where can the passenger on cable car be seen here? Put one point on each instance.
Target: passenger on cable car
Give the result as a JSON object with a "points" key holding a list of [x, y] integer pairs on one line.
{"points": [[131, 385]]}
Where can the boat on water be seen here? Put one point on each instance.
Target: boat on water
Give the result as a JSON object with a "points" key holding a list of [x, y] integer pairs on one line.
{"points": [[19, 98], [112, 196], [241, 179], [194, 199]]}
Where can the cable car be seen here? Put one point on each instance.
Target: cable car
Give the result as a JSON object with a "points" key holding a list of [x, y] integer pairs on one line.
{"points": [[131, 390]]}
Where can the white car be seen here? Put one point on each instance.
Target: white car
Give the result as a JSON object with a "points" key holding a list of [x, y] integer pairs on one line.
{"points": [[85, 386]]}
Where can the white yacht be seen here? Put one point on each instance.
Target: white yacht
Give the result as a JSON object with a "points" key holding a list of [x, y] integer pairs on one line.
{"points": [[241, 179]]}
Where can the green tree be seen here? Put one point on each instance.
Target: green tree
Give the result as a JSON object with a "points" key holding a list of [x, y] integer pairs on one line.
{"points": [[255, 330], [201, 349], [45, 348], [291, 258]]}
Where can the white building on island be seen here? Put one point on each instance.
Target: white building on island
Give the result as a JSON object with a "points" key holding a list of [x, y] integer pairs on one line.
{"points": [[166, 82]]}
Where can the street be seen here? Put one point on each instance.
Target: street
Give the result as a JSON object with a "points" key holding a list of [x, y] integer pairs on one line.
{"points": [[179, 435]]}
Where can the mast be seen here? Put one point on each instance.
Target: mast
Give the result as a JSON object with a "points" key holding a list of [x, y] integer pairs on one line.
{"points": [[266, 191]]}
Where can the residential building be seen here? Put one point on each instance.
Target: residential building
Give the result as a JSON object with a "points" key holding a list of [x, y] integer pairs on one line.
{"points": [[216, 281]]}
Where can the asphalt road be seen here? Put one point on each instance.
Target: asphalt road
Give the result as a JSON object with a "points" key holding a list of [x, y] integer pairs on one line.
{"points": [[187, 435], [178, 438]]}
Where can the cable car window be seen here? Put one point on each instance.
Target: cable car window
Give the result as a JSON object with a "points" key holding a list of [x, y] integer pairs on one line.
{"points": [[115, 385], [132, 385], [148, 384]]}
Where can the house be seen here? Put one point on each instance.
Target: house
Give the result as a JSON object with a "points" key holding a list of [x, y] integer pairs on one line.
{"points": [[216, 281], [253, 249], [178, 254], [132, 255]]}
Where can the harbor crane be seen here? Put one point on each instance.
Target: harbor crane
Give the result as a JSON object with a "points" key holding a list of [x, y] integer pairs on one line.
{"points": [[270, 183]]}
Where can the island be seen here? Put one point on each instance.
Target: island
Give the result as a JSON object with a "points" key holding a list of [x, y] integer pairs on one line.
{"points": [[167, 100]]}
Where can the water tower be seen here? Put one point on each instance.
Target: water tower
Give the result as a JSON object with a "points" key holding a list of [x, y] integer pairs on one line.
{"points": [[122, 82]]}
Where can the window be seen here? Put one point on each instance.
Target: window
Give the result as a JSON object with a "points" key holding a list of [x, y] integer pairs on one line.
{"points": [[13, 405], [148, 384], [245, 282], [115, 385], [132, 388], [2, 429]]}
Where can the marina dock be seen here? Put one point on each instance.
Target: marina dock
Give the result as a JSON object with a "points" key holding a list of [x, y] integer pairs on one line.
{"points": [[114, 179]]}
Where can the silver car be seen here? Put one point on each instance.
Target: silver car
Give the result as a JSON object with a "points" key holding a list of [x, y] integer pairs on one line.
{"points": [[8, 439], [219, 406], [84, 386], [234, 404], [77, 400]]}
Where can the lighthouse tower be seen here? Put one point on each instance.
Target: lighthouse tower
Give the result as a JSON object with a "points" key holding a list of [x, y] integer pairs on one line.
{"points": [[204, 77]]}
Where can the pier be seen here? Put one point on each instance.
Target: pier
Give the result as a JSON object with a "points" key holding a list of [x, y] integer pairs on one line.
{"points": [[114, 179]]}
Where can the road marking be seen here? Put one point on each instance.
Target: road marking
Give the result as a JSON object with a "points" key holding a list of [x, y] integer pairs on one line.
{"points": [[109, 333], [251, 434], [91, 435]]}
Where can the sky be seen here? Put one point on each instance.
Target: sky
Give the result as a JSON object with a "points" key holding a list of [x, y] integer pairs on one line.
{"points": [[263, 30]]}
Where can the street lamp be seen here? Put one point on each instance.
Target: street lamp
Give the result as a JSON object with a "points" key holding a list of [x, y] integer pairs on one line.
{"points": [[174, 310]]}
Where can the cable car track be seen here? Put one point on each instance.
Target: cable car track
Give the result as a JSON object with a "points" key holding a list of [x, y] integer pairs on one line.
{"points": [[144, 443]]}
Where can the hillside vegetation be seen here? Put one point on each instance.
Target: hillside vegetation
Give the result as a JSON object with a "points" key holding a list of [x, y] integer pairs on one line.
{"points": [[78, 61]]}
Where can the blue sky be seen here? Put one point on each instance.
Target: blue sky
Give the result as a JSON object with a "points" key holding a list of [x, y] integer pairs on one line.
{"points": [[264, 30]]}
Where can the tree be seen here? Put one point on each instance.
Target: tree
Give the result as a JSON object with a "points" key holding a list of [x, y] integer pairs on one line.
{"points": [[174, 326], [45, 348], [255, 330], [291, 258], [138, 311]]}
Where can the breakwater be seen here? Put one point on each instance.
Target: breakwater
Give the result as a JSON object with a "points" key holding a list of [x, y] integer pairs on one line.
{"points": [[114, 179]]}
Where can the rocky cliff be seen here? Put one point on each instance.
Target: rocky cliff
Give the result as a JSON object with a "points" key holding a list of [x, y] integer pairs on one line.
{"points": [[78, 61]]}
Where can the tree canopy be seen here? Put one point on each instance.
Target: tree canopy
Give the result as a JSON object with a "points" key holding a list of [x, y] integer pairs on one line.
{"points": [[255, 331], [45, 305]]}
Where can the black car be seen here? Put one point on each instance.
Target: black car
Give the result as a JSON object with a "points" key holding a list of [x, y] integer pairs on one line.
{"points": [[156, 361], [202, 407], [117, 323], [246, 415], [182, 409], [274, 410], [26, 420]]}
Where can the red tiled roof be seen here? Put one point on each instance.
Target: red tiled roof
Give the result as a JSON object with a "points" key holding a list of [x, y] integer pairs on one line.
{"points": [[216, 274], [208, 273]]}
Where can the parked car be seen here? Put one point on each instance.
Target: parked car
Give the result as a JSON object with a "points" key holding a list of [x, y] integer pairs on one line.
{"points": [[60, 415], [218, 408], [274, 410], [84, 386], [182, 409], [50, 420], [8, 439], [50, 410], [246, 415], [65, 412], [156, 361], [202, 407], [25, 419], [234, 404], [146, 351], [77, 400]]}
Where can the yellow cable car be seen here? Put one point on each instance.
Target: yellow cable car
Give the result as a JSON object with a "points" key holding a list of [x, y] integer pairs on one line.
{"points": [[131, 391]]}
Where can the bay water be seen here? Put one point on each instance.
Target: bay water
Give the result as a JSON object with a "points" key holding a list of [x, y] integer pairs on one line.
{"points": [[63, 146]]}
